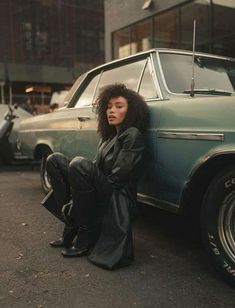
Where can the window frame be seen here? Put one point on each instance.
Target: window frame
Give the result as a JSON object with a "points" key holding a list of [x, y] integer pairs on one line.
{"points": [[148, 56]]}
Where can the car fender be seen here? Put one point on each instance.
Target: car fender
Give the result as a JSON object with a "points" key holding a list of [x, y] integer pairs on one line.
{"points": [[40, 148], [204, 170]]}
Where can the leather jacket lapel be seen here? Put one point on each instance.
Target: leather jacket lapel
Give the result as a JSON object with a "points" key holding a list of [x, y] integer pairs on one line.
{"points": [[104, 150], [108, 147]]}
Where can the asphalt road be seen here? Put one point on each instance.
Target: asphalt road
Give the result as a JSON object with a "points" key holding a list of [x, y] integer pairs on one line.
{"points": [[170, 269]]}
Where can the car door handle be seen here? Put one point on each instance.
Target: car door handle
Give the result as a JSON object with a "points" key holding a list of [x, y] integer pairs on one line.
{"points": [[83, 118]]}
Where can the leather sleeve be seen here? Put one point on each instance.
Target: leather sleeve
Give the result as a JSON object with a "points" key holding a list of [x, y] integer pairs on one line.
{"points": [[131, 144]]}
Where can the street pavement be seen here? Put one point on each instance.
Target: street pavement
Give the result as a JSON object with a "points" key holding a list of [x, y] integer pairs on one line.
{"points": [[170, 268]]}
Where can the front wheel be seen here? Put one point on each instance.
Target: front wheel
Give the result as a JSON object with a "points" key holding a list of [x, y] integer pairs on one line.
{"points": [[218, 223], [45, 180]]}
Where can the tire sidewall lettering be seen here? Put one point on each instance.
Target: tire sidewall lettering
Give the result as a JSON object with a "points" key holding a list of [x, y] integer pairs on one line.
{"points": [[229, 183], [217, 194]]}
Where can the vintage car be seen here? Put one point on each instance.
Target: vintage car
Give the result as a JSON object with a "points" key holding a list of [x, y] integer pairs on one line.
{"points": [[189, 164]]}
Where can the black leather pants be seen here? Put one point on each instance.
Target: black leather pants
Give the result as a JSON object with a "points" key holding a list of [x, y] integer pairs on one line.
{"points": [[57, 168], [81, 181]]}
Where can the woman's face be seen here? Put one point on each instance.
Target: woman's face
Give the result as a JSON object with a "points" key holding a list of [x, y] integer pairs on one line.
{"points": [[116, 111]]}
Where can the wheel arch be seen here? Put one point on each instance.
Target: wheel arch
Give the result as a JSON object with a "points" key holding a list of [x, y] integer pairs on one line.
{"points": [[41, 148], [200, 178]]}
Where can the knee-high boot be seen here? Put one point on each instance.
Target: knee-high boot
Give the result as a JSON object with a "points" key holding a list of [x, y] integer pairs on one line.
{"points": [[87, 217], [70, 229]]}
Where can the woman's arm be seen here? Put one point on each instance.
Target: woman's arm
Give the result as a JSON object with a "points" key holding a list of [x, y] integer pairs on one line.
{"points": [[131, 150]]}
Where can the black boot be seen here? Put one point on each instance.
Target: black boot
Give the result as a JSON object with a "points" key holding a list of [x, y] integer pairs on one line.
{"points": [[57, 243], [66, 241], [82, 245]]}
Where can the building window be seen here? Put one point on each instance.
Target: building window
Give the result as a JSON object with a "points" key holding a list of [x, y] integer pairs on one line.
{"points": [[121, 40], [166, 30], [198, 10], [223, 40], [141, 36], [41, 43], [215, 20], [28, 36]]}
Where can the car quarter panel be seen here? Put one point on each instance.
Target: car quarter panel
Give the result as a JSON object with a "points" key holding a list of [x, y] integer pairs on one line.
{"points": [[59, 129]]}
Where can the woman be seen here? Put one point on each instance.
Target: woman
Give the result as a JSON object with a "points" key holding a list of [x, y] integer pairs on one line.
{"points": [[103, 192]]}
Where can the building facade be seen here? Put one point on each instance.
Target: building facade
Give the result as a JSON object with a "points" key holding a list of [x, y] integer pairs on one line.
{"points": [[46, 44], [137, 25]]}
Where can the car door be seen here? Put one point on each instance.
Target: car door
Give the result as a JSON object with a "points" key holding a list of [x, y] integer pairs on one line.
{"points": [[87, 137], [148, 188], [140, 76]]}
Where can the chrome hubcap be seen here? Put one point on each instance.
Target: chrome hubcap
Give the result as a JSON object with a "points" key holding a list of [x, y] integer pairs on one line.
{"points": [[46, 179], [226, 224]]}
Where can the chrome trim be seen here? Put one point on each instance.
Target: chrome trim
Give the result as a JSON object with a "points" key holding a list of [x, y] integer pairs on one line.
{"points": [[80, 107], [226, 225], [155, 80], [141, 75], [110, 63], [188, 52], [96, 87], [142, 53], [164, 205], [83, 118], [191, 136], [149, 100], [48, 129]]}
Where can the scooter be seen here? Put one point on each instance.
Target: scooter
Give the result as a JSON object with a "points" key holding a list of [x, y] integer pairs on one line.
{"points": [[6, 152]]}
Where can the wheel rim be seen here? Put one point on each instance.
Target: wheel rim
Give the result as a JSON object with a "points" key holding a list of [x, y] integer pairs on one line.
{"points": [[226, 224], [46, 179]]}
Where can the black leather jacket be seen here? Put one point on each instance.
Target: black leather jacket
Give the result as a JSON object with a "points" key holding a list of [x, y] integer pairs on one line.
{"points": [[118, 159]]}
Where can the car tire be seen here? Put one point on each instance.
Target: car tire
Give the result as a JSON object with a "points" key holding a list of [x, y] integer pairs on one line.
{"points": [[218, 223], [45, 180]]}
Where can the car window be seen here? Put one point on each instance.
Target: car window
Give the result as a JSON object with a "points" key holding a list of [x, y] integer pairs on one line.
{"points": [[128, 74], [209, 73], [147, 87], [86, 98], [73, 90]]}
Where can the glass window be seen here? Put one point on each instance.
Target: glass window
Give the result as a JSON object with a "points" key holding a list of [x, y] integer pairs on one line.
{"points": [[166, 30], [121, 43], [141, 36], [147, 86], [198, 10], [128, 74], [223, 23], [86, 98]]}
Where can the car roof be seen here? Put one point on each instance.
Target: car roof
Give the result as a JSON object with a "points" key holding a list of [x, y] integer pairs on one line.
{"points": [[158, 50]]}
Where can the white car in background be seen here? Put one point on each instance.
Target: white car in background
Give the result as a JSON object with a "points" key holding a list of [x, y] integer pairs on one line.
{"points": [[59, 98]]}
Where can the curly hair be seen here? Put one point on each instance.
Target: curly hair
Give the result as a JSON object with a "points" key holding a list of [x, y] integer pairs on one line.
{"points": [[137, 112]]}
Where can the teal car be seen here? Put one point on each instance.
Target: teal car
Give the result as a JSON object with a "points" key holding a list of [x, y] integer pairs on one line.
{"points": [[189, 164]]}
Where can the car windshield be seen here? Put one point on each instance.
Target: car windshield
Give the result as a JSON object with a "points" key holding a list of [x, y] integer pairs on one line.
{"points": [[210, 73]]}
